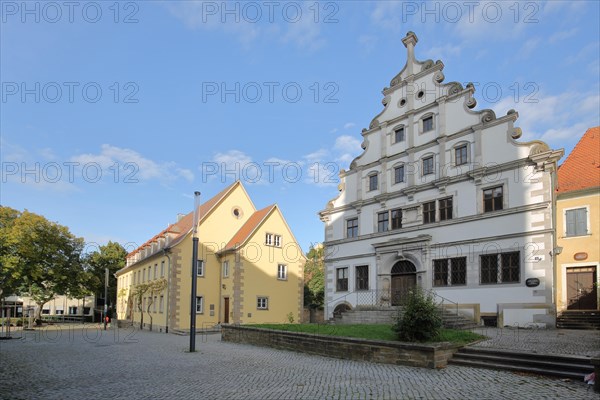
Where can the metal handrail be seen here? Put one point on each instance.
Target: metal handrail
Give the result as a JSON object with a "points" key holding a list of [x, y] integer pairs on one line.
{"points": [[381, 297]]}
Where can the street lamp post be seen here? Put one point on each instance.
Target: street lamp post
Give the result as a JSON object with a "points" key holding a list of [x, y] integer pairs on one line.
{"points": [[194, 272], [105, 296]]}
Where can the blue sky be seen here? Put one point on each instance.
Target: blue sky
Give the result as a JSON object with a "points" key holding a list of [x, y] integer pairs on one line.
{"points": [[113, 114]]}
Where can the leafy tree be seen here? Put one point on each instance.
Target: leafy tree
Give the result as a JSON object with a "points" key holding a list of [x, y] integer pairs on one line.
{"points": [[314, 277], [420, 320], [11, 276], [111, 256], [38, 257], [138, 295], [154, 288]]}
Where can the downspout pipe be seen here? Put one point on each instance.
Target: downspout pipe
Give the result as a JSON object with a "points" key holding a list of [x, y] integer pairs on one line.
{"points": [[166, 252]]}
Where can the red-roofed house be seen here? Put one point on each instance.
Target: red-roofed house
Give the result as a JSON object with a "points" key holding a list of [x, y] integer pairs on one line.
{"points": [[578, 229], [250, 269]]}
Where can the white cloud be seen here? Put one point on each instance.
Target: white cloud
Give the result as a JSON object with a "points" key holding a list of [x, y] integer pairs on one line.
{"points": [[251, 21], [305, 33], [528, 47], [554, 118], [492, 20], [388, 15], [349, 125], [346, 143], [210, 15], [443, 52], [132, 164], [562, 35], [367, 43]]}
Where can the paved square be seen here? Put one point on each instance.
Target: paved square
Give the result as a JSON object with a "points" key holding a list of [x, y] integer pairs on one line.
{"points": [[77, 363]]}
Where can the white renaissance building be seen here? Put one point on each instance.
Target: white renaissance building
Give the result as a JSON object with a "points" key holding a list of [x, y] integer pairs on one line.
{"points": [[446, 198]]}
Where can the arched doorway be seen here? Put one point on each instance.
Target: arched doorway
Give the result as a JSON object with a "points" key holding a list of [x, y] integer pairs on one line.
{"points": [[404, 278], [340, 309]]}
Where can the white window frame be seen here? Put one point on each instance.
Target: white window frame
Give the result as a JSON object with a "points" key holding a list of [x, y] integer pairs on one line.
{"points": [[422, 123], [277, 240], [225, 269], [282, 272], [427, 156], [269, 239], [162, 268], [357, 227], [587, 226], [455, 148], [200, 268], [199, 302], [262, 303], [401, 165], [397, 128], [369, 177]]}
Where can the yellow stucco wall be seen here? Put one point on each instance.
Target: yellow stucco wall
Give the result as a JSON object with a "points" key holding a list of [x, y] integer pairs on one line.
{"points": [[589, 244], [252, 272], [260, 275]]}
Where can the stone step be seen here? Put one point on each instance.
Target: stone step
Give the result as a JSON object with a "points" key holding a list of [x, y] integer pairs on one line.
{"points": [[573, 367]]}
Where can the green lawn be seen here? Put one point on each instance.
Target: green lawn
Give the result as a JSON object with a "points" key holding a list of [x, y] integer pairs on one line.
{"points": [[370, 331]]}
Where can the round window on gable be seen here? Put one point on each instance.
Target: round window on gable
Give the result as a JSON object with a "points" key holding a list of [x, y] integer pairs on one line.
{"points": [[420, 94], [237, 212]]}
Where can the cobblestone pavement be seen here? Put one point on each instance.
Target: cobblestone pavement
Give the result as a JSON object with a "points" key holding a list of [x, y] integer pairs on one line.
{"points": [[92, 364], [542, 341]]}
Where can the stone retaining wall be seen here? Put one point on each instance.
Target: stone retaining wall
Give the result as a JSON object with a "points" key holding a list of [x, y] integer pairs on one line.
{"points": [[381, 351]]}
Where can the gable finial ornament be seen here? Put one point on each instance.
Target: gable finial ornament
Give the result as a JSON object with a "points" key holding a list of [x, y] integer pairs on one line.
{"points": [[409, 41]]}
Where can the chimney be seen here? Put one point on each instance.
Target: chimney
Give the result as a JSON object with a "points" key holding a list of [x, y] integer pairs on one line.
{"points": [[180, 216]]}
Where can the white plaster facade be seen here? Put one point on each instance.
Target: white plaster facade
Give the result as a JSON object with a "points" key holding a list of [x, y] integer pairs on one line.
{"points": [[474, 154]]}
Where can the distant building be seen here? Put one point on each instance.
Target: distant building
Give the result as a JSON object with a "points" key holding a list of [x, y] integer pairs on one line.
{"points": [[445, 198], [250, 268], [578, 226], [59, 306]]}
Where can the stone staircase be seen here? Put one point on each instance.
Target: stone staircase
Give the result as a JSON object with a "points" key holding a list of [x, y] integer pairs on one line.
{"points": [[559, 366], [388, 315], [579, 320]]}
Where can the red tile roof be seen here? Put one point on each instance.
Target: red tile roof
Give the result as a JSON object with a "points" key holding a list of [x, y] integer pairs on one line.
{"points": [[249, 227], [581, 169], [183, 226]]}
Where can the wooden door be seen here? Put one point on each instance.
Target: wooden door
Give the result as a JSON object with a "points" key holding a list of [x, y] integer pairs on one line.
{"points": [[226, 310], [581, 291], [401, 285]]}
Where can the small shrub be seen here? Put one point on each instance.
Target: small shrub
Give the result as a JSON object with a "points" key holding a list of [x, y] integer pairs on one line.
{"points": [[420, 320], [290, 317]]}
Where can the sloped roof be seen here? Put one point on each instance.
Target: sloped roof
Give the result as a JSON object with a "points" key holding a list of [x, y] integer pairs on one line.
{"points": [[581, 169], [244, 233], [183, 226]]}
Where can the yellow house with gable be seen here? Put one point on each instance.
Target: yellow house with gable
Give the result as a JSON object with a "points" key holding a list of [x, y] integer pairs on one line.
{"points": [[578, 235], [250, 269]]}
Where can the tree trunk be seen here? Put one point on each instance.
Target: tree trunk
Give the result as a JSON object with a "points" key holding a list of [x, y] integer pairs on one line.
{"points": [[38, 312], [150, 315]]}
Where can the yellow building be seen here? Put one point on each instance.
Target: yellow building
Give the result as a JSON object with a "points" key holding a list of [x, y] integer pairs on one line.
{"points": [[578, 226], [250, 269]]}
